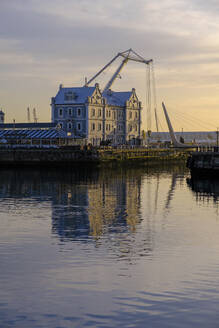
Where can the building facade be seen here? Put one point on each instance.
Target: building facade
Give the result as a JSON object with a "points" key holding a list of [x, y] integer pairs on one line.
{"points": [[113, 117]]}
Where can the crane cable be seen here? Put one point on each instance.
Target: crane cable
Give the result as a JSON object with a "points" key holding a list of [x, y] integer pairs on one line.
{"points": [[148, 97], [187, 118], [154, 96]]}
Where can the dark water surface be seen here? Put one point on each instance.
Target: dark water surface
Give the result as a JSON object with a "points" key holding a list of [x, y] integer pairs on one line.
{"points": [[108, 248]]}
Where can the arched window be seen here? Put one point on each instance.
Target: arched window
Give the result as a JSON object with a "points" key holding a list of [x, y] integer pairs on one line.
{"points": [[79, 126], [60, 112], [93, 126]]}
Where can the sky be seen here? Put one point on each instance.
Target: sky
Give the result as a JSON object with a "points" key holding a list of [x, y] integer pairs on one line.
{"points": [[47, 42]]}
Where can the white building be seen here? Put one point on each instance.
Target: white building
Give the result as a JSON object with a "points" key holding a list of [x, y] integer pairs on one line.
{"points": [[86, 112]]}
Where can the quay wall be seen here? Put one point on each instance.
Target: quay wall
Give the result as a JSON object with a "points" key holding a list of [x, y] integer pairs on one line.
{"points": [[69, 155], [143, 154]]}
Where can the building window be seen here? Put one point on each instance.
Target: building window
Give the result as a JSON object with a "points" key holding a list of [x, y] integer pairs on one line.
{"points": [[93, 126], [60, 125], [60, 112], [136, 127], [136, 114], [99, 126], [69, 126], [130, 114], [79, 126], [114, 115], [108, 127], [79, 111], [130, 127], [99, 112], [93, 112], [108, 113], [69, 111]]}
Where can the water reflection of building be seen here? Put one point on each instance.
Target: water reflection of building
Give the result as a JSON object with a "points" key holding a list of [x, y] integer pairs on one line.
{"points": [[105, 202], [113, 201], [24, 184], [205, 188], [101, 205], [84, 202]]}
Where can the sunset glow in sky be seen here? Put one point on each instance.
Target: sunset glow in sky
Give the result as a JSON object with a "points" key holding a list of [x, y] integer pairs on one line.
{"points": [[44, 43]]}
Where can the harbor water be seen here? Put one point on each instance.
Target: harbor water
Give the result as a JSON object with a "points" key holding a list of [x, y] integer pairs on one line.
{"points": [[114, 247]]}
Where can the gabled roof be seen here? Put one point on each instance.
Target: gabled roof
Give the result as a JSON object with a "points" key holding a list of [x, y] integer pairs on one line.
{"points": [[117, 98], [81, 94]]}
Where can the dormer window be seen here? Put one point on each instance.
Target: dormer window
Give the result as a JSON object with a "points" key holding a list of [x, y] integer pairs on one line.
{"points": [[69, 96]]}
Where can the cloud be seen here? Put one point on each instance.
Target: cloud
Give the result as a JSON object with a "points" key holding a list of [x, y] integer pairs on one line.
{"points": [[64, 41]]}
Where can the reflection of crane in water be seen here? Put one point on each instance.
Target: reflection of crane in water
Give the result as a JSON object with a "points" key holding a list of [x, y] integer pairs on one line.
{"points": [[156, 194], [171, 190], [169, 197]]}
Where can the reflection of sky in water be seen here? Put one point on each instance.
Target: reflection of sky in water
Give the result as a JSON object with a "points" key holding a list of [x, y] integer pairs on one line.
{"points": [[104, 248]]}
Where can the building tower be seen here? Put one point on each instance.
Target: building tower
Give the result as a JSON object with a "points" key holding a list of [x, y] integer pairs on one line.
{"points": [[2, 116]]}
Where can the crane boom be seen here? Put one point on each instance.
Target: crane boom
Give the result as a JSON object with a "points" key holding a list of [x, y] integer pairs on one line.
{"points": [[103, 69], [108, 85], [127, 55]]}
